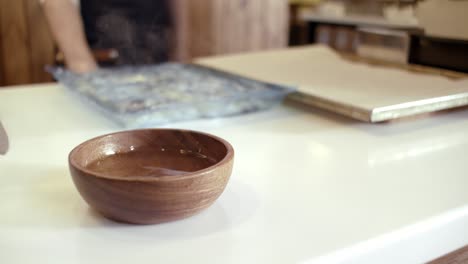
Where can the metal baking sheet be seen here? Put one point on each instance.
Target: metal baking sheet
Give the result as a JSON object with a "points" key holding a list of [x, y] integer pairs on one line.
{"points": [[384, 113], [149, 95], [363, 91]]}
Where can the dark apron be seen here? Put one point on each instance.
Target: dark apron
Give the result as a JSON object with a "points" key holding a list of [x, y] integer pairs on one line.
{"points": [[138, 29]]}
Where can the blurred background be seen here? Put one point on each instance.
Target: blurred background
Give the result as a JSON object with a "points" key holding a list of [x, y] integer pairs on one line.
{"points": [[427, 32]]}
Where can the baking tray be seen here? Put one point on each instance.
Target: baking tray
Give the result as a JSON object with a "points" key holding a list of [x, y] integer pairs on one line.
{"points": [[144, 96], [363, 89], [408, 103]]}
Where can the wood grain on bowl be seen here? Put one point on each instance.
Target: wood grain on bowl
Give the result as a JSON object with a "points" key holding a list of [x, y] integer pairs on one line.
{"points": [[458, 256], [146, 196]]}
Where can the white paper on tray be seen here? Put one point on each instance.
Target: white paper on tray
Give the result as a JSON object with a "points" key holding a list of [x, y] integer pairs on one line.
{"points": [[332, 82]]}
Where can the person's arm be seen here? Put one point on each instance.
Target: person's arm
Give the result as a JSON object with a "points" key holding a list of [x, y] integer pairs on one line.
{"points": [[67, 28]]}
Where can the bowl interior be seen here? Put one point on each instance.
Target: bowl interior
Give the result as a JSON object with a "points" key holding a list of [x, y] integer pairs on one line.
{"points": [[149, 153]]}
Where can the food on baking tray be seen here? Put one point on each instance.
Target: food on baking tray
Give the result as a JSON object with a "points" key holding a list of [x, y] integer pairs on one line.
{"points": [[142, 96]]}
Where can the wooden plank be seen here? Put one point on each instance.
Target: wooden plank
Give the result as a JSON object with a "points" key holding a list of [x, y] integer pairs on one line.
{"points": [[217, 28], [459, 256], [41, 44], [231, 26], [180, 10], [15, 47], [237, 25], [199, 33], [2, 73], [250, 25]]}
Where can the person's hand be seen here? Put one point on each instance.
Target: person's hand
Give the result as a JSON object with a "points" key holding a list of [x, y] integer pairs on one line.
{"points": [[66, 25], [82, 66]]}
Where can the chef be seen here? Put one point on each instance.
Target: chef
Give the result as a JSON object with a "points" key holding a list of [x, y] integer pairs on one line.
{"points": [[138, 30]]}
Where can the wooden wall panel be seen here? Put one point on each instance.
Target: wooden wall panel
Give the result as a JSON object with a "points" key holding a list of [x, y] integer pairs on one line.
{"points": [[180, 39], [41, 48], [199, 34], [15, 44], [26, 45], [212, 27], [2, 73]]}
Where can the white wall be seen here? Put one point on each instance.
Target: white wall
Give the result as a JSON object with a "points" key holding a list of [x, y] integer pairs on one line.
{"points": [[444, 18]]}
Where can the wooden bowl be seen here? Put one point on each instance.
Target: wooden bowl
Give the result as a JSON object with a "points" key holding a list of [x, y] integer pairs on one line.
{"points": [[153, 175]]}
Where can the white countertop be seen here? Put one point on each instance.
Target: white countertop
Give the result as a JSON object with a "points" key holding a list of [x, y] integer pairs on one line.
{"points": [[307, 186]]}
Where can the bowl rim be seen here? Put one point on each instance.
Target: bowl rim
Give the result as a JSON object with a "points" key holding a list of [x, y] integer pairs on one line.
{"points": [[227, 158]]}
